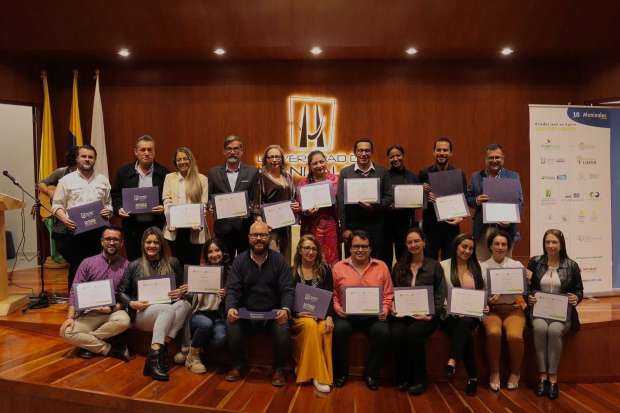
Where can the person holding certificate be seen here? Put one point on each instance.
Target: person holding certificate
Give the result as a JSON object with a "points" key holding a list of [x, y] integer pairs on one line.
{"points": [[313, 338], [409, 333], [462, 271], [360, 270], [506, 313], [186, 186], [322, 222], [88, 327], [165, 320], [553, 273]]}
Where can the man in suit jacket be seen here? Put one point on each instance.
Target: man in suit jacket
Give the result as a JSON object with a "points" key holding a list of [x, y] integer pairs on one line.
{"points": [[145, 172], [233, 176]]}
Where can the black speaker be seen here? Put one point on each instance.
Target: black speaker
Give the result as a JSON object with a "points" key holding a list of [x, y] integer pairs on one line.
{"points": [[10, 246]]}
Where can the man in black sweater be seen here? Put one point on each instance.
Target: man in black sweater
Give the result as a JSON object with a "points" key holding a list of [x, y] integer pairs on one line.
{"points": [[260, 280]]}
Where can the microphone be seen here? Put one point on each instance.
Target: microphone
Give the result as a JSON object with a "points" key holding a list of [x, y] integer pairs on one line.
{"points": [[8, 175]]}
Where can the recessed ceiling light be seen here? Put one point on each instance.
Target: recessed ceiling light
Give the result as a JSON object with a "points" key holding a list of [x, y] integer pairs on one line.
{"points": [[507, 51], [411, 51], [124, 52], [316, 50], [219, 51]]}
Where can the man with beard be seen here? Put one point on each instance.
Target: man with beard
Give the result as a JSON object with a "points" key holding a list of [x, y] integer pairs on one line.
{"points": [[80, 187], [142, 173], [439, 235], [494, 168], [260, 280], [89, 330], [233, 176]]}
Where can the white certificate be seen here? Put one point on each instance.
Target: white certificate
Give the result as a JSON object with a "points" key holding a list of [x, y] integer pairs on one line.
{"points": [[413, 301], [551, 306], [362, 300], [232, 205], [467, 302], [451, 206], [408, 196], [186, 216], [316, 195], [201, 279], [94, 294], [493, 212], [279, 214], [506, 280], [155, 290], [358, 190]]}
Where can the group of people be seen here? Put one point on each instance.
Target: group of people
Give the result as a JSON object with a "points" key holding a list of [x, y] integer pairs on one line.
{"points": [[257, 276]]}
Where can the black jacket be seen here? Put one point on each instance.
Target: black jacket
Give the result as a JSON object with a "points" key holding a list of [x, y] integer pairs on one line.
{"points": [[429, 218], [430, 273]]}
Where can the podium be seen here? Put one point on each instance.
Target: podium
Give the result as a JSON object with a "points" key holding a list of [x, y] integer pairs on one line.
{"points": [[8, 302]]}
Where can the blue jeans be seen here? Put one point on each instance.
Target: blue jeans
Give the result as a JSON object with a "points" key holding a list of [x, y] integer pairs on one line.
{"points": [[207, 328]]}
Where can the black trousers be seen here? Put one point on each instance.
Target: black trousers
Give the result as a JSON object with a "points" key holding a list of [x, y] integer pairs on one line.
{"points": [[235, 240], [394, 235], [133, 237], [181, 248], [74, 248], [409, 338], [239, 330], [439, 237], [379, 337], [461, 332]]}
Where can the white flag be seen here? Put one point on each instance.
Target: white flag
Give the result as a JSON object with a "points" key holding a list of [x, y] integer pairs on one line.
{"points": [[97, 134]]}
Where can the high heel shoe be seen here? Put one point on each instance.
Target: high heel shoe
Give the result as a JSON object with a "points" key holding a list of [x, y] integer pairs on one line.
{"points": [[450, 370], [472, 387], [542, 389], [554, 391]]}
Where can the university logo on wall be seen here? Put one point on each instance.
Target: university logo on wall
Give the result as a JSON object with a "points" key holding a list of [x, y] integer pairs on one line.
{"points": [[312, 123]]}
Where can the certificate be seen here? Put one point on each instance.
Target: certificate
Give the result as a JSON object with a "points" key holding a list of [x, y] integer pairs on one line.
{"points": [[493, 212], [186, 216], [140, 200], [466, 302], [410, 301], [94, 294], [553, 307], [312, 300], [203, 279], [87, 217], [358, 190], [408, 196], [154, 290], [279, 214], [246, 314], [362, 300], [232, 205], [506, 281], [451, 206], [448, 182], [317, 195]]}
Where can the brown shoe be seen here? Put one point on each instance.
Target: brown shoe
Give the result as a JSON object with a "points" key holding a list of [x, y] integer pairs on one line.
{"points": [[233, 375], [278, 379]]}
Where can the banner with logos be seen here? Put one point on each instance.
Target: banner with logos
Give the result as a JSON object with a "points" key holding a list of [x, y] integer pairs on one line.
{"points": [[571, 162]]}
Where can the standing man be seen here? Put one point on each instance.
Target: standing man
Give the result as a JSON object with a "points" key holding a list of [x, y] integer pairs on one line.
{"points": [[144, 172], [80, 187], [365, 216], [89, 330], [494, 168], [260, 279], [439, 235], [233, 176], [399, 221]]}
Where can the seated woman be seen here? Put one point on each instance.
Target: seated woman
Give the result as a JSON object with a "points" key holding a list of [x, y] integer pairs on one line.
{"points": [[462, 271], [409, 333], [555, 273], [312, 337], [506, 312], [164, 320]]}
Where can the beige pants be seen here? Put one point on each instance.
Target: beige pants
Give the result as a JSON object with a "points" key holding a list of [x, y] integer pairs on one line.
{"points": [[90, 330]]}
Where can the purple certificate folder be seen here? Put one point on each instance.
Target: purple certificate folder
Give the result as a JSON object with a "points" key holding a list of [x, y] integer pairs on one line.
{"points": [[505, 190], [140, 200], [87, 217], [446, 182], [256, 315], [312, 300]]}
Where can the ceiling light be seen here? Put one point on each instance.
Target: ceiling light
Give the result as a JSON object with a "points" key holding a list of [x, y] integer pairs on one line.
{"points": [[411, 51], [507, 51], [219, 51], [124, 52], [316, 50]]}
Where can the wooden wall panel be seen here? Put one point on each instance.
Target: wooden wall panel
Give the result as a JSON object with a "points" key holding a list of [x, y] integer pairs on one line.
{"points": [[18, 84], [602, 81]]}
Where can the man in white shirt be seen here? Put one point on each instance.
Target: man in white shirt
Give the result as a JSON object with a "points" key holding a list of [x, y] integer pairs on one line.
{"points": [[80, 187]]}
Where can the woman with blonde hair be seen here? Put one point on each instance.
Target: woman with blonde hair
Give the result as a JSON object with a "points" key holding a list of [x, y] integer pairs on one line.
{"points": [[186, 186]]}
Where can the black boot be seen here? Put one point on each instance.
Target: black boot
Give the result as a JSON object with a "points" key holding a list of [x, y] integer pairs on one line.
{"points": [[163, 358], [153, 367]]}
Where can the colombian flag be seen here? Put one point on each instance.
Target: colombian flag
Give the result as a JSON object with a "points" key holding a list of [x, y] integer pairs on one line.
{"points": [[75, 128], [47, 158]]}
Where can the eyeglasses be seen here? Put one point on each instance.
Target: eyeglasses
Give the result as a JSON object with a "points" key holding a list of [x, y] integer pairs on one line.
{"points": [[274, 157], [360, 247], [309, 249], [239, 149], [364, 150], [255, 236]]}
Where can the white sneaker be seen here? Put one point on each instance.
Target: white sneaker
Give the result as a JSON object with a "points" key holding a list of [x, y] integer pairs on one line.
{"points": [[323, 388], [181, 356]]}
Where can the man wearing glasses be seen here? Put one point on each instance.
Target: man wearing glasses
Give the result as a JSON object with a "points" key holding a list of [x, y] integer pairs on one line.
{"points": [[90, 330], [233, 176], [260, 280]]}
